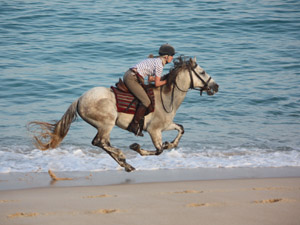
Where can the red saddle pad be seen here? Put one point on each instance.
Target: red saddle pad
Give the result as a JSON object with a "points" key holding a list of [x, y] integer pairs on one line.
{"points": [[127, 103]]}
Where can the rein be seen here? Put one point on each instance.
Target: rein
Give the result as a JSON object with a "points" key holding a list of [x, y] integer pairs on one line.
{"points": [[204, 88], [172, 98]]}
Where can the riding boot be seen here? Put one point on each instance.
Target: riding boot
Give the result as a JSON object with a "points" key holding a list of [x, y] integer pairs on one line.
{"points": [[136, 125]]}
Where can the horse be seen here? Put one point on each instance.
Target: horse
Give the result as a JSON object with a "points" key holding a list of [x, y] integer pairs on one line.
{"points": [[98, 108]]}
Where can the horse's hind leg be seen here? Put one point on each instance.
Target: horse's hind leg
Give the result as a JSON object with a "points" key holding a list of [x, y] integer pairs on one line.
{"points": [[102, 141], [101, 114]]}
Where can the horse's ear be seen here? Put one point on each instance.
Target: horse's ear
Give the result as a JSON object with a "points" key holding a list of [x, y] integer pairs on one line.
{"points": [[193, 61]]}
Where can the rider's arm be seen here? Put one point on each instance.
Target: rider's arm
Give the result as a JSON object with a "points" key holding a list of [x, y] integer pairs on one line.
{"points": [[151, 79], [159, 82]]}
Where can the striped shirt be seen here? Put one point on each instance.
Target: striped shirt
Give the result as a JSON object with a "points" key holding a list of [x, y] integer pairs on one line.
{"points": [[149, 67]]}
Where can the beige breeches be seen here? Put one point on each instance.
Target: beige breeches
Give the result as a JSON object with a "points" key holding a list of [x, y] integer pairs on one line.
{"points": [[135, 88]]}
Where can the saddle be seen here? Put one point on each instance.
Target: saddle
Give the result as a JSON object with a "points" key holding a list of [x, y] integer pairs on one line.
{"points": [[122, 86], [126, 102]]}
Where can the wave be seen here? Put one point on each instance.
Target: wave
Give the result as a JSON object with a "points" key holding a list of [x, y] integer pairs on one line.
{"points": [[73, 158]]}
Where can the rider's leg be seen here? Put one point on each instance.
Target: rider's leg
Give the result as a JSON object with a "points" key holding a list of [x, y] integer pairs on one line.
{"points": [[137, 123], [138, 91]]}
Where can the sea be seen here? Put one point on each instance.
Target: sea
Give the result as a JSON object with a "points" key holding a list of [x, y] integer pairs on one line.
{"points": [[54, 51]]}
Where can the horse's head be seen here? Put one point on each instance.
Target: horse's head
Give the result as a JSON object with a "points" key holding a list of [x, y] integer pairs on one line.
{"points": [[197, 79], [200, 80]]}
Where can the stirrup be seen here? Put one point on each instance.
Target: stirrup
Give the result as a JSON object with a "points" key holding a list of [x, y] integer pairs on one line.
{"points": [[135, 128], [139, 133]]}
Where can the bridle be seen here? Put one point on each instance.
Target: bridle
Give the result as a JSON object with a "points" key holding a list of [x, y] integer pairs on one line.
{"points": [[205, 84], [204, 88]]}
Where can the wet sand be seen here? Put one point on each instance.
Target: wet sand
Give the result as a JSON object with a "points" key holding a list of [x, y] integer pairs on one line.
{"points": [[215, 201]]}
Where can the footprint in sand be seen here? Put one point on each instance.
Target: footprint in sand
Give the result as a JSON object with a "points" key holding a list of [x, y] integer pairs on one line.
{"points": [[100, 196], [34, 214], [185, 192], [7, 201], [191, 205], [273, 200], [22, 214], [103, 211], [188, 192], [275, 188]]}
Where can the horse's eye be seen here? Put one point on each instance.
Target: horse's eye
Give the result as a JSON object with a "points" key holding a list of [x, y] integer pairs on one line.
{"points": [[203, 72]]}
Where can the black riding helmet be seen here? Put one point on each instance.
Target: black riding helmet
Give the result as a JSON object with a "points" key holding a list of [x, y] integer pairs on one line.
{"points": [[166, 49]]}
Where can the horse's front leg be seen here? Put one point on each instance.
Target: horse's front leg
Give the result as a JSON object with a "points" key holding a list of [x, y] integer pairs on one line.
{"points": [[175, 142], [157, 141]]}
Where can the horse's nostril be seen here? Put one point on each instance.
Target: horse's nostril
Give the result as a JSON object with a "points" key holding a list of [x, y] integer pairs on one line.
{"points": [[217, 87]]}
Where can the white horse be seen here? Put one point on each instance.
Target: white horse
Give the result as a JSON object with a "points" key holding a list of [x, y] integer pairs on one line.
{"points": [[98, 108]]}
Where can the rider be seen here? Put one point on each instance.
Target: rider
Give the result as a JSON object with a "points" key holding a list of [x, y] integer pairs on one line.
{"points": [[134, 80]]}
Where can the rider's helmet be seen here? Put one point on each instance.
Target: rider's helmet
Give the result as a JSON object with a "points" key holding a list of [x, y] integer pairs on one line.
{"points": [[166, 49]]}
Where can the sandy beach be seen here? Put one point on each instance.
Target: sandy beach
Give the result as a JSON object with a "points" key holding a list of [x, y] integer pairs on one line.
{"points": [[220, 201]]}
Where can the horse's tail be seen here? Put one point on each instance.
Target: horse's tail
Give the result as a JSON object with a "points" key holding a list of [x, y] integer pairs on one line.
{"points": [[50, 135]]}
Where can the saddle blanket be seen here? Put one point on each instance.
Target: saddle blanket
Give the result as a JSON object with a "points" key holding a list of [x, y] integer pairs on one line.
{"points": [[127, 103]]}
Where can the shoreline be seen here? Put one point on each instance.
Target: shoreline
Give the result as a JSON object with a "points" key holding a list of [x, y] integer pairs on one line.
{"points": [[18, 181]]}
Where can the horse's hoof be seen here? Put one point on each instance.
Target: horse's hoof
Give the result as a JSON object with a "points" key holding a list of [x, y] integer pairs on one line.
{"points": [[158, 152], [135, 147], [166, 145], [129, 168]]}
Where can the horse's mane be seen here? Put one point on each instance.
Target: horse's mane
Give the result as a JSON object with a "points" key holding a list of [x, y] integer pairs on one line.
{"points": [[180, 63]]}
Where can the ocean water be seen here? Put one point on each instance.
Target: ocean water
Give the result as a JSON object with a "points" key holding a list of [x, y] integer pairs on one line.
{"points": [[54, 51]]}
